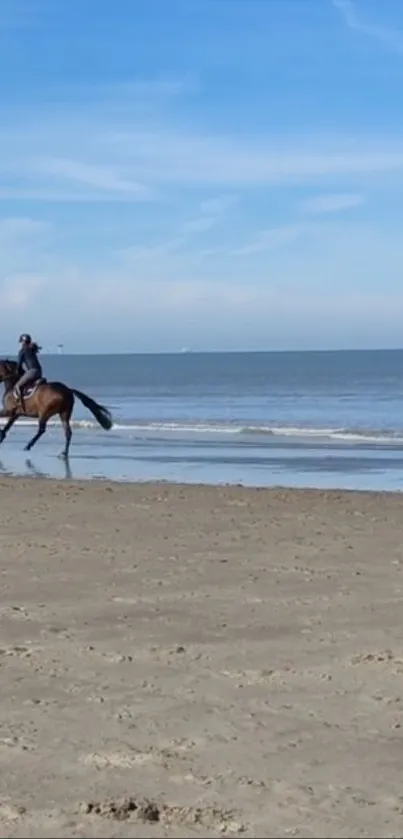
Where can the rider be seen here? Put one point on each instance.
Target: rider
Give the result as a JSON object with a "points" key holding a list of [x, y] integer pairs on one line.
{"points": [[29, 366]]}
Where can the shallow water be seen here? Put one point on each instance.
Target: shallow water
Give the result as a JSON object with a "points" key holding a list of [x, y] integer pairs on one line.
{"points": [[291, 419]]}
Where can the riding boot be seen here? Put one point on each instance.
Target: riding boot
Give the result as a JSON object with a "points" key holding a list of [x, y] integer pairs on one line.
{"points": [[20, 398]]}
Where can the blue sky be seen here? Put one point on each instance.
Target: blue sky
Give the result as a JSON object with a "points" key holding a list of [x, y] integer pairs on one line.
{"points": [[219, 174]]}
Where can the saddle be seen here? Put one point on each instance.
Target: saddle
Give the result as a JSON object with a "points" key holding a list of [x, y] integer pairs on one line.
{"points": [[30, 389]]}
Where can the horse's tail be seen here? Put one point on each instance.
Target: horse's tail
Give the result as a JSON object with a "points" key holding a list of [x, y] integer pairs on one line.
{"points": [[100, 413]]}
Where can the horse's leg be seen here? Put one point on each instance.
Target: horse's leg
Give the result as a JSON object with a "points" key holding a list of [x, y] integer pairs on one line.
{"points": [[41, 430], [9, 413], [43, 404], [65, 420], [8, 425]]}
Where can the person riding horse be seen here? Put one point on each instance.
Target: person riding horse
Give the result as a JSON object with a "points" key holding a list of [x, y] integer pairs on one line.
{"points": [[29, 366], [49, 400]]}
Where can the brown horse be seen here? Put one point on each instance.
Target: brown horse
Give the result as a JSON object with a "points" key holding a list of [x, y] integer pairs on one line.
{"points": [[43, 401]]}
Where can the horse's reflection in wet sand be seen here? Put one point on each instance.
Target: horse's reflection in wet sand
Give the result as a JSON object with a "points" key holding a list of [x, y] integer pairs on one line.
{"points": [[37, 473], [34, 472], [4, 471]]}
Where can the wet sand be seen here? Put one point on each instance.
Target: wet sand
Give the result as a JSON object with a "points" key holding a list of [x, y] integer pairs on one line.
{"points": [[191, 661]]}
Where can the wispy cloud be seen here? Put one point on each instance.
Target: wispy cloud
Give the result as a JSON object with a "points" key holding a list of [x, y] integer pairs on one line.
{"points": [[20, 230], [109, 158], [332, 203], [165, 87], [220, 204], [164, 297], [232, 220], [101, 176], [388, 37], [294, 293], [273, 238], [24, 244], [168, 158], [20, 290], [53, 195], [199, 225], [140, 255], [212, 211], [133, 95]]}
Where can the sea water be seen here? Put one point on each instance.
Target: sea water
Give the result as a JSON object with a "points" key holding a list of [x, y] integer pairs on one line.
{"points": [[317, 419]]}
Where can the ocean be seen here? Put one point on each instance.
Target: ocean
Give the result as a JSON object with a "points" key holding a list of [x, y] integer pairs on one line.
{"points": [[300, 419]]}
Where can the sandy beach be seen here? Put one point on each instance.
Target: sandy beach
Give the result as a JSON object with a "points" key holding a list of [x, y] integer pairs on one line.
{"points": [[187, 661]]}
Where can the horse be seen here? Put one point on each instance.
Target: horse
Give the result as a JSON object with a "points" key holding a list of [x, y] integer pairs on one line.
{"points": [[42, 401]]}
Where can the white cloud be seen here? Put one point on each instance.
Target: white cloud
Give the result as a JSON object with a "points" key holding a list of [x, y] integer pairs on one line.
{"points": [[23, 246], [131, 141], [53, 195], [102, 177], [388, 37], [165, 158], [134, 142], [212, 210], [133, 89], [199, 225], [332, 203], [133, 95], [218, 205], [275, 237], [21, 290], [102, 158], [20, 230], [322, 289], [144, 257]]}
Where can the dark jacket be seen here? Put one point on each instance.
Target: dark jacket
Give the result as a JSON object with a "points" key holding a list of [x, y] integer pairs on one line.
{"points": [[28, 359]]}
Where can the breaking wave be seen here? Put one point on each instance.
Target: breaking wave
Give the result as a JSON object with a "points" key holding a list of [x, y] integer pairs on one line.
{"points": [[301, 433]]}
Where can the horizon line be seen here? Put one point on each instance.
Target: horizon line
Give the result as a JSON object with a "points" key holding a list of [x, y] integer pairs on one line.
{"points": [[214, 352]]}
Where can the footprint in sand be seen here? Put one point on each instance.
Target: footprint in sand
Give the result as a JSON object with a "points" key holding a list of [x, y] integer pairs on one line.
{"points": [[170, 750], [117, 759], [380, 657], [20, 651], [125, 809], [11, 812]]}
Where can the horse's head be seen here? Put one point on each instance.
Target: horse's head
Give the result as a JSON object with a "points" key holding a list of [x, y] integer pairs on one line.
{"points": [[8, 370]]}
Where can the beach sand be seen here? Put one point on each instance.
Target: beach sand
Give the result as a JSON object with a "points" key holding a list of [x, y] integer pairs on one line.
{"points": [[188, 661]]}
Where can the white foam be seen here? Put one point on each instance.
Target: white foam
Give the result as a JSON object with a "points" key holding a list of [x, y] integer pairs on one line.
{"points": [[354, 436]]}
